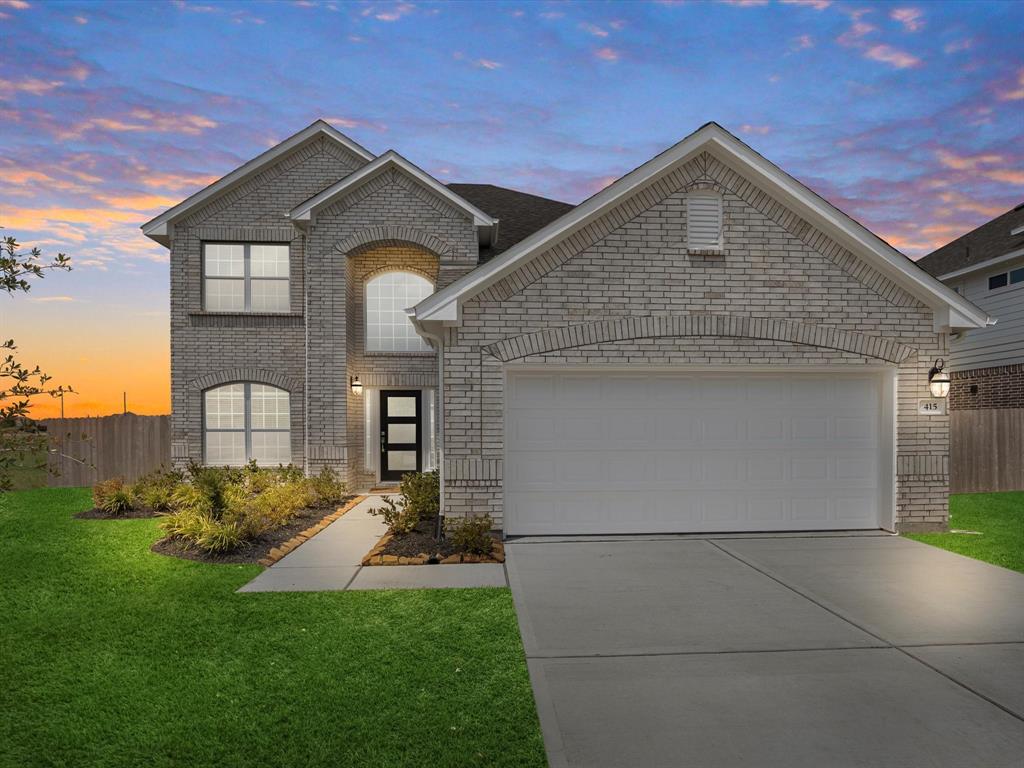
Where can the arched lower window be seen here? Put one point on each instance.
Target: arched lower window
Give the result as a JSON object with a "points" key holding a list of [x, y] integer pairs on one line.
{"points": [[245, 421], [388, 328]]}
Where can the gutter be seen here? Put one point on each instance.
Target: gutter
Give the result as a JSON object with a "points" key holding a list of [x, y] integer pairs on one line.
{"points": [[438, 340]]}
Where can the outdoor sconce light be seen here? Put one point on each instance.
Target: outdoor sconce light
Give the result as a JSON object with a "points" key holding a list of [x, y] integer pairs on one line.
{"points": [[356, 384], [938, 379]]}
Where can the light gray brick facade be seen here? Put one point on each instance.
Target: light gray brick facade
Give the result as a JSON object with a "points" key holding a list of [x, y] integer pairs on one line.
{"points": [[311, 351], [625, 290], [622, 290]]}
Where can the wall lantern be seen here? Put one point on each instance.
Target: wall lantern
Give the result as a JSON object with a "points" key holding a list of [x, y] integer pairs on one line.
{"points": [[938, 379], [356, 384]]}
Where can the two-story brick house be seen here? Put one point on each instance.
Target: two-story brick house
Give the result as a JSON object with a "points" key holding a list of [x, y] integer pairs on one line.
{"points": [[703, 345]]}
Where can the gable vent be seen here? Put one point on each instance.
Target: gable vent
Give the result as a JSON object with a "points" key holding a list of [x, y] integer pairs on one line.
{"points": [[703, 222]]}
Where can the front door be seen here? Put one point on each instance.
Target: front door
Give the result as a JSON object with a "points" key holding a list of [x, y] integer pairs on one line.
{"points": [[401, 432]]}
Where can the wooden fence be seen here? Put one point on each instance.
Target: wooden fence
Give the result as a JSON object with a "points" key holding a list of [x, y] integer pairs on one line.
{"points": [[986, 450], [85, 451]]}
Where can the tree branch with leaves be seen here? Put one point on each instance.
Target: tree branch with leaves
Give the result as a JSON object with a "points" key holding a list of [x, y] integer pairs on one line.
{"points": [[20, 438]]}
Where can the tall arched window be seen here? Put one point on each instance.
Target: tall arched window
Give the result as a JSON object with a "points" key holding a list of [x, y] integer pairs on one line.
{"points": [[388, 328], [245, 421]]}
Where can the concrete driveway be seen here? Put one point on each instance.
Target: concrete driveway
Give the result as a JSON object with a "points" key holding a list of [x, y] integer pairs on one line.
{"points": [[867, 651]]}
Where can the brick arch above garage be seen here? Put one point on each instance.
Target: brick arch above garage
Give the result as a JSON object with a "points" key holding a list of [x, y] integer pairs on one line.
{"points": [[735, 326]]}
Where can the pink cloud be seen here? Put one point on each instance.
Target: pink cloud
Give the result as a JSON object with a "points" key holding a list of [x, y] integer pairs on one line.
{"points": [[912, 19], [1014, 92], [593, 29], [801, 43], [853, 36], [488, 64], [759, 130], [607, 54], [966, 162], [18, 5], [32, 85], [957, 45], [818, 5], [746, 3], [889, 55]]}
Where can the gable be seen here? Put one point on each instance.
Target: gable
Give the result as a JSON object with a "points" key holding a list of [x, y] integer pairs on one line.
{"points": [[256, 172], [396, 169], [751, 177]]}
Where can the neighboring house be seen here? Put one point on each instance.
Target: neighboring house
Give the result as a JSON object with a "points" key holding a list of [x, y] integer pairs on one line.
{"points": [[704, 345], [986, 266]]}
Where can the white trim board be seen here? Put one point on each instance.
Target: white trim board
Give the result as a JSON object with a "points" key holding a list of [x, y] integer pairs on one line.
{"points": [[157, 229], [306, 212], [952, 310]]}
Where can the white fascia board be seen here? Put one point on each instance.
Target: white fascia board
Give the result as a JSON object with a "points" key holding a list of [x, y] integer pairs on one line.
{"points": [[157, 228], [747, 163], [390, 159], [981, 266], [1017, 231]]}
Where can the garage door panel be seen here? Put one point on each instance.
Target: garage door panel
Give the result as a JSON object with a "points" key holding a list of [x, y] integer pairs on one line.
{"points": [[602, 452]]}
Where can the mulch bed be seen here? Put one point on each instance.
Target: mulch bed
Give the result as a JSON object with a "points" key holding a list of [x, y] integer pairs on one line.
{"points": [[262, 550], [99, 514], [418, 547]]}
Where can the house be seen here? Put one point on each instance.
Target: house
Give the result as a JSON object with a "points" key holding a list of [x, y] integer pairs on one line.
{"points": [[986, 266], [704, 345]]}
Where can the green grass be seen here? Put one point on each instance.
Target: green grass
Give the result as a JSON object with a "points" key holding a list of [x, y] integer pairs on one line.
{"points": [[999, 517], [113, 656]]}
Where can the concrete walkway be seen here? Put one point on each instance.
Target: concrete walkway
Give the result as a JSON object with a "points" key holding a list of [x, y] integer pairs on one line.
{"points": [[771, 651], [331, 561]]}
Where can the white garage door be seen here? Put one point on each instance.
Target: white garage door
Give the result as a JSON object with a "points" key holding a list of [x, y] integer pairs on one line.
{"points": [[591, 451]]}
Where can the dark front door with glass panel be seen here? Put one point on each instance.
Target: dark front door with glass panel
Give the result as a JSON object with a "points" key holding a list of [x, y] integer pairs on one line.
{"points": [[401, 433]]}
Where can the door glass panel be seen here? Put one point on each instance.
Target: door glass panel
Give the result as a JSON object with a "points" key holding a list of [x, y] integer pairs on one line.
{"points": [[401, 460], [401, 433], [401, 406]]}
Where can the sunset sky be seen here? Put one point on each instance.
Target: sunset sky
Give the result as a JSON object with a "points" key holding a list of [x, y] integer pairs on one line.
{"points": [[909, 116]]}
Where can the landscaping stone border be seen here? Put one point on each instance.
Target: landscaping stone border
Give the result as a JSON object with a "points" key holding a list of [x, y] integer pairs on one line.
{"points": [[301, 537], [376, 556]]}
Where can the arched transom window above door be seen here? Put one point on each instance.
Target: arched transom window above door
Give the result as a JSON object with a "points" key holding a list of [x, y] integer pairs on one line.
{"points": [[388, 327]]}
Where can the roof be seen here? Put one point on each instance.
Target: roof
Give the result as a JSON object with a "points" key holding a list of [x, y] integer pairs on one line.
{"points": [[521, 213], [974, 250], [307, 210], [951, 310], [156, 229]]}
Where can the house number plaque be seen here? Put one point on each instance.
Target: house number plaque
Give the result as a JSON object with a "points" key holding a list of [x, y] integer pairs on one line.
{"points": [[932, 406]]}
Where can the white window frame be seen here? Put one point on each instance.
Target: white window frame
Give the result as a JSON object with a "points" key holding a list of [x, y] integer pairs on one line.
{"points": [[424, 346], [246, 427], [690, 245], [246, 278], [1010, 282]]}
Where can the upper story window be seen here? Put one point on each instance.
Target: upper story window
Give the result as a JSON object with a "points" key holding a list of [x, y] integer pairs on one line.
{"points": [[243, 277], [245, 421], [703, 221], [1004, 279], [388, 328]]}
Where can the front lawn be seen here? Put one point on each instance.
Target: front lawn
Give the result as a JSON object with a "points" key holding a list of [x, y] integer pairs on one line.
{"points": [[998, 517], [111, 655]]}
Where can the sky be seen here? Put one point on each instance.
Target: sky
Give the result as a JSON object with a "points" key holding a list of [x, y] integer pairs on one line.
{"points": [[909, 116]]}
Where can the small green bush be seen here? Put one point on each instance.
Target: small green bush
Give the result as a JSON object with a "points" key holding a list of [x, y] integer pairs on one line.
{"points": [[472, 535], [326, 489], [155, 491], [113, 496], [422, 494], [397, 515]]}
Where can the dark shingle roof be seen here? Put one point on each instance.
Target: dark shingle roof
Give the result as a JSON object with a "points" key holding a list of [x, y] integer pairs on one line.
{"points": [[520, 214], [989, 241]]}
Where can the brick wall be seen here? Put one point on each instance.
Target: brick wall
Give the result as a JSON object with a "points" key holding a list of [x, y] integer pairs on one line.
{"points": [[998, 387], [632, 270]]}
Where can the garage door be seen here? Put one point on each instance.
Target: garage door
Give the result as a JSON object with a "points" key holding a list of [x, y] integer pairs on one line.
{"points": [[591, 451]]}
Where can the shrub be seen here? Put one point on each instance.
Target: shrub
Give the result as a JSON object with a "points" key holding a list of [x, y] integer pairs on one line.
{"points": [[113, 496], [397, 515], [326, 489], [156, 490], [422, 494], [472, 534]]}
